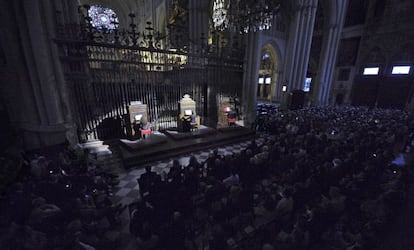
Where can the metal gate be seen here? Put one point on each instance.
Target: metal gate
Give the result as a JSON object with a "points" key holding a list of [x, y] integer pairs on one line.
{"points": [[105, 71]]}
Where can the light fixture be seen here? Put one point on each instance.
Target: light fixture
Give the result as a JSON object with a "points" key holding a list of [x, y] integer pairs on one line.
{"points": [[284, 88], [372, 71], [307, 84], [138, 117], [400, 70], [244, 15], [261, 80]]}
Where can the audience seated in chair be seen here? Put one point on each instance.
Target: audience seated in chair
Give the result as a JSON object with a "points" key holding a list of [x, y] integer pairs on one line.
{"points": [[148, 182], [310, 191]]}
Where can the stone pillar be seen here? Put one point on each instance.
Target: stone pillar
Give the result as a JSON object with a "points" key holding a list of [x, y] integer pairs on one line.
{"points": [[310, 16], [38, 103], [299, 43], [212, 106], [329, 52], [67, 11], [273, 86], [198, 22], [279, 84], [251, 72]]}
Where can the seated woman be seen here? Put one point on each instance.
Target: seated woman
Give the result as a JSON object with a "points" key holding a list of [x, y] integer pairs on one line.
{"points": [[145, 127], [231, 118], [144, 123]]}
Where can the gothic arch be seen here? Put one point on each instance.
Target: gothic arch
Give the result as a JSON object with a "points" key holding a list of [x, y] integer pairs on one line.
{"points": [[274, 47], [271, 48]]}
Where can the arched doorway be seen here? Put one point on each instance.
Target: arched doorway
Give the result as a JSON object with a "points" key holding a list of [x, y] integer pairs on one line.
{"points": [[266, 83]]}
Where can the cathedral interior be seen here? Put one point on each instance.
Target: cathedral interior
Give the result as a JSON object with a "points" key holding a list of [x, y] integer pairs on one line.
{"points": [[206, 124]]}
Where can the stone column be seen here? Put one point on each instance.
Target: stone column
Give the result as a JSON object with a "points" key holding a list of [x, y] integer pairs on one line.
{"points": [[251, 72], [212, 106], [273, 86], [279, 84], [198, 22], [311, 14], [38, 104], [299, 43], [329, 52]]}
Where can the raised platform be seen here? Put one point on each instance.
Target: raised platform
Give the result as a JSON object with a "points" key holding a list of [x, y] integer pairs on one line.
{"points": [[160, 146], [197, 133], [142, 144], [230, 129]]}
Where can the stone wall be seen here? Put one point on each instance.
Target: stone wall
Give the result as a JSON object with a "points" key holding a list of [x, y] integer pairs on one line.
{"points": [[387, 39]]}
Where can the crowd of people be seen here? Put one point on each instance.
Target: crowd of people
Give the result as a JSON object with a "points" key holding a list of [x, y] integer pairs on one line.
{"points": [[322, 178], [326, 178], [62, 203]]}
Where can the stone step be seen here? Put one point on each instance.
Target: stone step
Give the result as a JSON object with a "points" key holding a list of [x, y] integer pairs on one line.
{"points": [[106, 159], [99, 148], [91, 144]]}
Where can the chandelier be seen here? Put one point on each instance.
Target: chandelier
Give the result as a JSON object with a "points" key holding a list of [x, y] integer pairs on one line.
{"points": [[244, 15]]}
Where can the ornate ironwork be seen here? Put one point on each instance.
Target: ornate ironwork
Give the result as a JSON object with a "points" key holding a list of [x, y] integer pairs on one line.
{"points": [[244, 15], [89, 32], [105, 71]]}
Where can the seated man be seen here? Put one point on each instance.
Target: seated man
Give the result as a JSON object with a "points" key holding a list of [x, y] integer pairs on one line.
{"points": [[136, 126], [148, 181], [186, 121]]}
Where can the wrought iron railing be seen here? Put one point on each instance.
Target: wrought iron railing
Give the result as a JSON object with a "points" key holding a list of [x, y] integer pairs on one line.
{"points": [[105, 71]]}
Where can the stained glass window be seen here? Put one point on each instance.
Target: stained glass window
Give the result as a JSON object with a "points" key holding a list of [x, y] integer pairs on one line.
{"points": [[103, 18], [220, 19]]}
